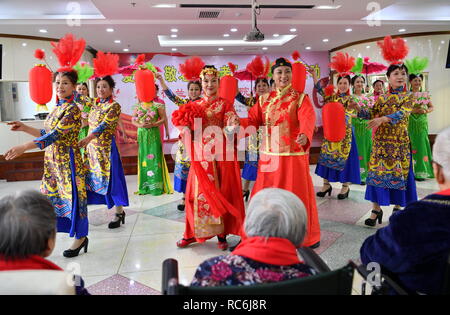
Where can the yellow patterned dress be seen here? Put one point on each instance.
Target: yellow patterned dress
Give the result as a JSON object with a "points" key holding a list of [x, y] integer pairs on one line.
{"points": [[105, 178], [390, 178], [339, 161], [63, 180]]}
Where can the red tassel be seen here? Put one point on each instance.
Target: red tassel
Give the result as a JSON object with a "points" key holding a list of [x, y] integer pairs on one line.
{"points": [[296, 55], [329, 90], [140, 59], [39, 54], [232, 67]]}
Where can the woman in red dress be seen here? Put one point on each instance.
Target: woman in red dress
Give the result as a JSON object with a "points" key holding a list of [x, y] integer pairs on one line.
{"points": [[288, 121], [214, 205]]}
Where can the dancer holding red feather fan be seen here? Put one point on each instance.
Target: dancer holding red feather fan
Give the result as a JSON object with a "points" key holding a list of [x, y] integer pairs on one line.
{"points": [[390, 179], [214, 206], [63, 181]]}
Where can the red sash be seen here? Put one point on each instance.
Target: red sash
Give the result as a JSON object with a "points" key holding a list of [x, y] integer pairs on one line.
{"points": [[272, 250], [444, 193], [30, 263]]}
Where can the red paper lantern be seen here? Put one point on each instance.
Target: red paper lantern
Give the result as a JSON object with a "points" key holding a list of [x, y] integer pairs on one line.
{"points": [[333, 116], [299, 77], [228, 88], [145, 85], [40, 82]]}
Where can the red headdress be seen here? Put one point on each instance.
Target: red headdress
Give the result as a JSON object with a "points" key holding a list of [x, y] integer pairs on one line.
{"points": [[106, 64], [342, 63], [192, 68], [393, 51], [68, 51]]}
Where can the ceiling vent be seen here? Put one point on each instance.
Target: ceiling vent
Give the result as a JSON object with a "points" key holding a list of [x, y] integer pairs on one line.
{"points": [[209, 14]]}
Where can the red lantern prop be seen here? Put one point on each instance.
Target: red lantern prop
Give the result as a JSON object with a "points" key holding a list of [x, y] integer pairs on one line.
{"points": [[40, 83], [145, 85], [333, 116], [228, 88], [299, 77]]}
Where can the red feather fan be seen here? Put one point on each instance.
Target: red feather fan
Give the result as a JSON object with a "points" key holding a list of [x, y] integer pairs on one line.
{"points": [[192, 68], [69, 51], [393, 51], [140, 59], [232, 67], [258, 68], [329, 90], [106, 64], [343, 64], [296, 55], [39, 54]]}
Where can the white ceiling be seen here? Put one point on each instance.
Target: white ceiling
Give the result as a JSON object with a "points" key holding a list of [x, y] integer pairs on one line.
{"points": [[139, 26]]}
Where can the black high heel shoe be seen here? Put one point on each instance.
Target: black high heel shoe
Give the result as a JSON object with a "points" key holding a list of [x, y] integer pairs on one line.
{"points": [[372, 222], [181, 206], [323, 193], [116, 224], [74, 252], [344, 196], [246, 195]]}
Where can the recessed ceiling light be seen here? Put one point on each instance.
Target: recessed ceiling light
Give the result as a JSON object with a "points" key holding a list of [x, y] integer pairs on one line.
{"points": [[327, 7], [117, 41], [174, 30], [42, 31], [24, 44], [276, 35], [402, 30], [226, 35], [308, 48], [265, 48], [348, 30], [110, 30], [174, 35], [293, 30], [325, 40], [174, 49], [163, 5], [126, 49], [234, 30], [442, 42], [220, 49], [367, 46]]}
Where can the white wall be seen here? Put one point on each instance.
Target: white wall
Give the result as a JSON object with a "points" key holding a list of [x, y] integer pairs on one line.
{"points": [[435, 47]]}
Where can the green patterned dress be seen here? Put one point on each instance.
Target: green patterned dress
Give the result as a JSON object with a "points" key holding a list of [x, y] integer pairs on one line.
{"points": [[418, 134], [153, 175], [363, 136]]}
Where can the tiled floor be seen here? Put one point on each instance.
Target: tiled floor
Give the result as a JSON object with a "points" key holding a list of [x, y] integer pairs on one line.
{"points": [[128, 260]]}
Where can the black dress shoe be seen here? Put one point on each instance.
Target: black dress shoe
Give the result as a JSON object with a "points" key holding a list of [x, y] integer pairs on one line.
{"points": [[323, 193], [313, 246], [181, 207], [373, 222], [116, 224], [74, 252], [344, 196], [396, 209], [246, 194]]}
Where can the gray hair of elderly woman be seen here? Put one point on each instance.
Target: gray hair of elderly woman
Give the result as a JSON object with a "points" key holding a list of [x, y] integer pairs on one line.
{"points": [[441, 152], [274, 212], [27, 222]]}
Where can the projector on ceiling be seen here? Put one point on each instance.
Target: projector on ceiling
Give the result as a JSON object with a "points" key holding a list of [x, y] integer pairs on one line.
{"points": [[254, 36]]}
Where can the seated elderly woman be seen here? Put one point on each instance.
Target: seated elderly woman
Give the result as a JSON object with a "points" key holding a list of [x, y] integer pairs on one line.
{"points": [[28, 234], [275, 225], [416, 243]]}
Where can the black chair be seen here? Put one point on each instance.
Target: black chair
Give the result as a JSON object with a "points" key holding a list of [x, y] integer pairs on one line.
{"points": [[325, 282]]}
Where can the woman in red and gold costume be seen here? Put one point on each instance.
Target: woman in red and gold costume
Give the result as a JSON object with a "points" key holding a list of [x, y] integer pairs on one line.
{"points": [[288, 119], [214, 205]]}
